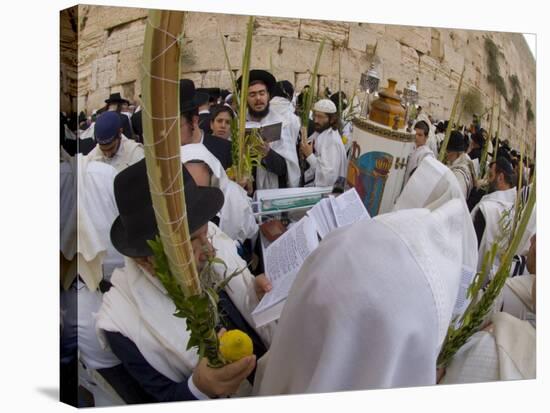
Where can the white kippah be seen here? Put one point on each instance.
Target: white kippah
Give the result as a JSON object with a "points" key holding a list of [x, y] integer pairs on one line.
{"points": [[325, 106]]}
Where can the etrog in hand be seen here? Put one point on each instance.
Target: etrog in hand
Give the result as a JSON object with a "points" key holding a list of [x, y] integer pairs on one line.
{"points": [[234, 345]]}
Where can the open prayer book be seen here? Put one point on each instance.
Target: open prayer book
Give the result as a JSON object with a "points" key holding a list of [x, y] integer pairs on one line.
{"points": [[285, 256], [335, 212], [269, 133]]}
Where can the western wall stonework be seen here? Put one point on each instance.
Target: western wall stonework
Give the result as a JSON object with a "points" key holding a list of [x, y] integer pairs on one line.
{"points": [[110, 43]]}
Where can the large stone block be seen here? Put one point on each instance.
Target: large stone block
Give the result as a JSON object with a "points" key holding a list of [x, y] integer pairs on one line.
{"points": [[104, 72], [419, 38], [299, 56], [203, 54], [302, 79], [436, 47], [96, 99], [333, 31], [388, 50], [378, 28], [284, 75], [353, 63], [361, 37], [211, 25], [452, 59], [276, 26], [111, 17], [459, 39], [265, 52], [90, 45], [136, 34], [196, 77], [129, 65], [387, 59], [125, 36]]}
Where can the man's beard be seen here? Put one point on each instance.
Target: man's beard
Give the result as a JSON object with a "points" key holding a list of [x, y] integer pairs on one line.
{"points": [[320, 128], [492, 187], [259, 114]]}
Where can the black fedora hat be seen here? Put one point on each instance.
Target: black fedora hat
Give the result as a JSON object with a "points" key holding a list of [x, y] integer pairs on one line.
{"points": [[260, 75], [116, 98], [456, 142], [136, 223], [190, 98], [212, 92]]}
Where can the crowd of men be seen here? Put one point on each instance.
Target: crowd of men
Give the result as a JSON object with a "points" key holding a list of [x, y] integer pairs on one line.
{"points": [[361, 314]]}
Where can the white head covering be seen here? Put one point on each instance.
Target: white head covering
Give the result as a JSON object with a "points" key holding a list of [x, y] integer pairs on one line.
{"points": [[236, 216], [96, 212], [432, 185], [370, 307], [325, 106]]}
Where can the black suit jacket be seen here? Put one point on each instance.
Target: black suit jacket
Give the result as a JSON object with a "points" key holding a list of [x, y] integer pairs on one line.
{"points": [[137, 126], [220, 148]]}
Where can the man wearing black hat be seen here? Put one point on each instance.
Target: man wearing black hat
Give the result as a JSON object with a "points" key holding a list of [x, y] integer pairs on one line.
{"points": [[190, 131], [113, 147], [501, 197], [137, 319], [460, 163], [280, 160], [115, 103], [204, 100], [476, 145], [440, 129]]}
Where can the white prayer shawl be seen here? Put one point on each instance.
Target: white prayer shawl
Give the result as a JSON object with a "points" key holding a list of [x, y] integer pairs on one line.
{"points": [[128, 153], [531, 229], [464, 170], [369, 307], [139, 308], [516, 297], [506, 353], [415, 159], [492, 206], [283, 107], [431, 186], [286, 147], [88, 133], [328, 161], [96, 212], [236, 216]]}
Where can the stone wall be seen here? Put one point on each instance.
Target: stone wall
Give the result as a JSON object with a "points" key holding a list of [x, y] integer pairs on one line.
{"points": [[111, 39]]}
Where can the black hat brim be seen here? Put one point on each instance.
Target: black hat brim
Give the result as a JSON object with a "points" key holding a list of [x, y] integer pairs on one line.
{"points": [[109, 101], [198, 99], [263, 76], [201, 208]]}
